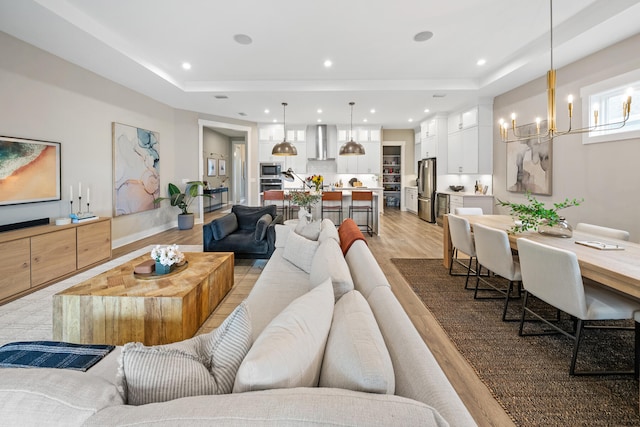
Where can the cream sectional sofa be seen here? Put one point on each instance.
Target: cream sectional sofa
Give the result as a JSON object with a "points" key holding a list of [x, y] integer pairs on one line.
{"points": [[409, 387]]}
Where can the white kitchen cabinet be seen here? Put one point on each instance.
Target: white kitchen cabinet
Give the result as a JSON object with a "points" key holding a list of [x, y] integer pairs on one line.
{"points": [[369, 163], [297, 163], [433, 137], [411, 199], [270, 135], [264, 151], [470, 142], [471, 201], [417, 155]]}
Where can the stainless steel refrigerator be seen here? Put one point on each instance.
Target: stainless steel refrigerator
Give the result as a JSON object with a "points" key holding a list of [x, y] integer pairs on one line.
{"points": [[427, 189]]}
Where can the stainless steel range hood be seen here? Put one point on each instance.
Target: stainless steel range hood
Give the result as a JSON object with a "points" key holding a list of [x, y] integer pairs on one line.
{"points": [[321, 143]]}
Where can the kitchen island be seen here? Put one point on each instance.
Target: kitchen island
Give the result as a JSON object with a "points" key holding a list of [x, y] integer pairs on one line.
{"points": [[346, 202]]}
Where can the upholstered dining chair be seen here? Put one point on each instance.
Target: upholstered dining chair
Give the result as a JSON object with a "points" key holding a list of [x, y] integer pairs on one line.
{"points": [[612, 233], [553, 275], [468, 211], [494, 253], [462, 241]]}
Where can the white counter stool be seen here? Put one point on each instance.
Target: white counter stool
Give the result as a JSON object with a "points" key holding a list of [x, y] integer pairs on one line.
{"points": [[275, 197], [468, 211], [362, 202], [331, 203]]}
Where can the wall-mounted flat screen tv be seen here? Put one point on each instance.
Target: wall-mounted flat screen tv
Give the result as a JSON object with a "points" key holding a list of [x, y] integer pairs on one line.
{"points": [[29, 171]]}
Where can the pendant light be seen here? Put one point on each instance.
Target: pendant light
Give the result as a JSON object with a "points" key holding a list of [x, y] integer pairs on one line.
{"points": [[284, 148], [352, 148]]}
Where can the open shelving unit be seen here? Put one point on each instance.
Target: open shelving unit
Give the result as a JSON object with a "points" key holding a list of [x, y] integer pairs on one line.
{"points": [[391, 175]]}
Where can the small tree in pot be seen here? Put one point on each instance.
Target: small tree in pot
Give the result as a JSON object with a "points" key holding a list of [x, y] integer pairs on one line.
{"points": [[182, 200]]}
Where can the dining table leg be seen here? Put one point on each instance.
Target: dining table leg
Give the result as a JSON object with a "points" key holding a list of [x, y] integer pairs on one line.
{"points": [[447, 246]]}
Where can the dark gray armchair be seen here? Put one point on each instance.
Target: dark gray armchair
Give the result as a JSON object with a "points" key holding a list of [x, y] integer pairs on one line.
{"points": [[248, 232]]}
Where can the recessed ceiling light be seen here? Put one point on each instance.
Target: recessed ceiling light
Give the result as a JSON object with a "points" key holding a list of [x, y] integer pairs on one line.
{"points": [[266, 111], [423, 36], [481, 62], [319, 110], [242, 39], [319, 120], [410, 120], [364, 120], [328, 63], [186, 66], [275, 120], [372, 111], [426, 110]]}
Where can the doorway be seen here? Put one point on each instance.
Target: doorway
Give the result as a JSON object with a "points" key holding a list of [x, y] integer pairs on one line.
{"points": [[237, 171]]}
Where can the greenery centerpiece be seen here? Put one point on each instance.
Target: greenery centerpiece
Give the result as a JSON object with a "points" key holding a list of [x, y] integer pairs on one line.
{"points": [[182, 200], [534, 214], [305, 199]]}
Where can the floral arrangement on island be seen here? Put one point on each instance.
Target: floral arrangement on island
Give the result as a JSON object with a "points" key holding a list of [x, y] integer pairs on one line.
{"points": [[167, 255], [315, 180]]}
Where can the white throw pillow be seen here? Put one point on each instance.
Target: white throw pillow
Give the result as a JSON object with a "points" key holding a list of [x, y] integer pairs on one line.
{"points": [[309, 230], [356, 357], [205, 364], [288, 353], [282, 234], [328, 230], [300, 251], [329, 262]]}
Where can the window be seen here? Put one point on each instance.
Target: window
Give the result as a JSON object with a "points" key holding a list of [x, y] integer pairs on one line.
{"points": [[607, 98]]}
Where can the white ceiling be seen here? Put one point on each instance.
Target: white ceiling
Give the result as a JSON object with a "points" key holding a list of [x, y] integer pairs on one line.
{"points": [[141, 44]]}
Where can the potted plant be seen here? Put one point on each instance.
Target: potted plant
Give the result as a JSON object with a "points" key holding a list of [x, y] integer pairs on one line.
{"points": [[182, 200], [534, 215]]}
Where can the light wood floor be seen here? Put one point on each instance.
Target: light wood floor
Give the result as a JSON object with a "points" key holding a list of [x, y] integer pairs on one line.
{"points": [[402, 235]]}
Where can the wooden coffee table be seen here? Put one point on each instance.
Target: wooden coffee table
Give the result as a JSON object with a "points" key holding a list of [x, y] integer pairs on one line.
{"points": [[116, 307]]}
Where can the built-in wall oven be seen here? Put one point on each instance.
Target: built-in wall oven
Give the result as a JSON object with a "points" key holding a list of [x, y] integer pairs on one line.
{"points": [[442, 207], [270, 176], [267, 184]]}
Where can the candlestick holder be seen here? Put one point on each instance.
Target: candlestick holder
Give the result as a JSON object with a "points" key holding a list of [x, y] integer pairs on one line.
{"points": [[88, 210], [80, 205], [70, 207]]}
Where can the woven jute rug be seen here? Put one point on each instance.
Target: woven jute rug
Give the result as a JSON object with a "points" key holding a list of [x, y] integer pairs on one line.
{"points": [[529, 376]]}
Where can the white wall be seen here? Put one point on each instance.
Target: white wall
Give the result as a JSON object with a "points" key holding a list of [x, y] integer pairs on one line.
{"points": [[606, 175], [45, 97]]}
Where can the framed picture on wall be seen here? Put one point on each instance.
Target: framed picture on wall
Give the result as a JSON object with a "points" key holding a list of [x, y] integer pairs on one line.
{"points": [[222, 167], [29, 171], [136, 169], [529, 162], [211, 167]]}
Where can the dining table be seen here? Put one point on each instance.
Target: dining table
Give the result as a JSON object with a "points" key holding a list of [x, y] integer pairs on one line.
{"points": [[617, 269]]}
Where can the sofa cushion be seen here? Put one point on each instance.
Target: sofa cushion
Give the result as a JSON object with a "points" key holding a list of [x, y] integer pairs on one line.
{"points": [[349, 233], [328, 262], [288, 353], [224, 226], [356, 357], [276, 408], [328, 230], [248, 216], [261, 227], [52, 397], [205, 364], [300, 251]]}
